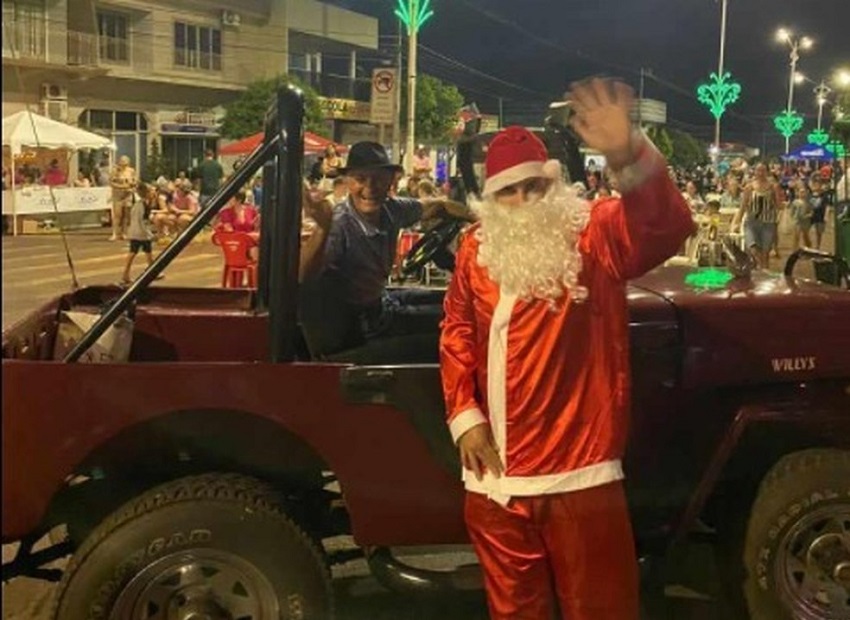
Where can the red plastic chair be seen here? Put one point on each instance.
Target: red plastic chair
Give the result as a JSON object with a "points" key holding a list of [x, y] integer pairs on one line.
{"points": [[238, 264]]}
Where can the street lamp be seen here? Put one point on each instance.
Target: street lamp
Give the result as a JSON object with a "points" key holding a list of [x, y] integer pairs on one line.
{"points": [[721, 91], [413, 13], [821, 92], [796, 43]]}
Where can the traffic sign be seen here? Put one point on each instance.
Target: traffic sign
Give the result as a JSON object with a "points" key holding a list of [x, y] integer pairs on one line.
{"points": [[384, 85]]}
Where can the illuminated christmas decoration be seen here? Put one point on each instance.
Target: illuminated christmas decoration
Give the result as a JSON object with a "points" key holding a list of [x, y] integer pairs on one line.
{"points": [[836, 148], [413, 14], [719, 93], [710, 278], [788, 123], [818, 136]]}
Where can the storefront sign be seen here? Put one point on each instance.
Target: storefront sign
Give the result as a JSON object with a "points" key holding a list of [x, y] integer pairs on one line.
{"points": [[193, 129], [649, 111], [489, 123], [345, 109], [37, 199]]}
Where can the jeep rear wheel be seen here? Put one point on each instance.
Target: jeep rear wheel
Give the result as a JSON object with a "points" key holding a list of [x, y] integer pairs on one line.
{"points": [[215, 547], [797, 548]]}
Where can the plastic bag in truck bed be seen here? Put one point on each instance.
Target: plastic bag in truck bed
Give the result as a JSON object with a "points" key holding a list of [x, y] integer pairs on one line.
{"points": [[113, 346]]}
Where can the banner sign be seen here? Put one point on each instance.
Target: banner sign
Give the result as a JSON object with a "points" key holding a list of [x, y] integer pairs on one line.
{"points": [[37, 199]]}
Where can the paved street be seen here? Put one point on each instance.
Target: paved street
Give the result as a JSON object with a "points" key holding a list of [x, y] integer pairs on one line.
{"points": [[35, 268]]}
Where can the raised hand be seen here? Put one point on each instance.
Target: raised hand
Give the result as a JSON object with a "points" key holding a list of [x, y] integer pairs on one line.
{"points": [[601, 118], [317, 207]]}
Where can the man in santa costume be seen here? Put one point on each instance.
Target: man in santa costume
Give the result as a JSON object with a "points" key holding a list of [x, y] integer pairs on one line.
{"points": [[535, 363]]}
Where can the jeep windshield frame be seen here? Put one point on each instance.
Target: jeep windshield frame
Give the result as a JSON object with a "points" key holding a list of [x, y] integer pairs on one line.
{"points": [[281, 156]]}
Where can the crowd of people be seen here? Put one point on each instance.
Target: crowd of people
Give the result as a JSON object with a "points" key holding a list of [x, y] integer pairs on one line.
{"points": [[754, 201]]}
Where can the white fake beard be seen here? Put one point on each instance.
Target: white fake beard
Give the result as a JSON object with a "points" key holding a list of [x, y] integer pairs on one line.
{"points": [[531, 250]]}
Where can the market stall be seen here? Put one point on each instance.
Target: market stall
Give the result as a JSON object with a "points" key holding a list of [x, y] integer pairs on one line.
{"points": [[27, 130]]}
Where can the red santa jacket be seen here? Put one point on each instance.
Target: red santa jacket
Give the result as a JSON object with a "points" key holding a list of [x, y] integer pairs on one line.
{"points": [[554, 385]]}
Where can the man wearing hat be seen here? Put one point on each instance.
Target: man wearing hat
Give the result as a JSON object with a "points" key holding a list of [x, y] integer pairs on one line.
{"points": [[535, 363], [346, 262]]}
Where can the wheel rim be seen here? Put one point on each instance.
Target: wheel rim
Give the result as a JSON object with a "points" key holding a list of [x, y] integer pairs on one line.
{"points": [[813, 565], [204, 584]]}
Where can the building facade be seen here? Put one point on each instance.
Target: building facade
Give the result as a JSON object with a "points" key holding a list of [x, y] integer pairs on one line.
{"points": [[160, 70]]}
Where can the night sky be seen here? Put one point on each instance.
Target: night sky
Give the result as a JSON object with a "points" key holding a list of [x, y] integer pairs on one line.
{"points": [[541, 45]]}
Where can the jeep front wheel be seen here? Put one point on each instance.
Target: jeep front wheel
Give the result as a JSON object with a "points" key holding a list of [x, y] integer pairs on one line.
{"points": [[797, 549], [217, 547]]}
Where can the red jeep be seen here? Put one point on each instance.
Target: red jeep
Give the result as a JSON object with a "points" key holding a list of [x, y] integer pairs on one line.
{"points": [[202, 476]]}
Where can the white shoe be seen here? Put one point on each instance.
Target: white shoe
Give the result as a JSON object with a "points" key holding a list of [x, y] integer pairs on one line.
{"points": [[113, 238]]}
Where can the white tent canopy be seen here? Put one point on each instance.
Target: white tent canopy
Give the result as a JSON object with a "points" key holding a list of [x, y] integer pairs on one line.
{"points": [[26, 128]]}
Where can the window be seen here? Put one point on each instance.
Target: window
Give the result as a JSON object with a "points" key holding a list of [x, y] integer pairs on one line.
{"points": [[128, 129], [24, 29], [197, 47], [113, 37]]}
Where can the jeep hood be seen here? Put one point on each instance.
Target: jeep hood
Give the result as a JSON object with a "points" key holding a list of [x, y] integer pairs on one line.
{"points": [[767, 328]]}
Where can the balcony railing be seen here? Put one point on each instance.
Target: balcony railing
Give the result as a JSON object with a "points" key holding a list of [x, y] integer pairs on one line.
{"points": [[114, 50], [83, 49], [25, 39], [336, 86]]}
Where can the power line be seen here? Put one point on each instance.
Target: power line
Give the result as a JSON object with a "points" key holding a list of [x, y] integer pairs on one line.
{"points": [[480, 73], [587, 57]]}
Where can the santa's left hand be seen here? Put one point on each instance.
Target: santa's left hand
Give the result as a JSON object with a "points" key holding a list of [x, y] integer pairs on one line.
{"points": [[601, 118]]}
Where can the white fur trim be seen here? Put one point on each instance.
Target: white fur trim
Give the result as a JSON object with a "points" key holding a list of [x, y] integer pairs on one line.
{"points": [[646, 165], [464, 421], [509, 176], [502, 489], [552, 169], [497, 370]]}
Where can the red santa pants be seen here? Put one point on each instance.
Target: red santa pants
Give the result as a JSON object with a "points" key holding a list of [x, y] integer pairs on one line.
{"points": [[578, 543]]}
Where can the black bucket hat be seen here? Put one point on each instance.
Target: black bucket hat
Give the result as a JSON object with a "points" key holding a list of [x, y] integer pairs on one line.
{"points": [[369, 156]]}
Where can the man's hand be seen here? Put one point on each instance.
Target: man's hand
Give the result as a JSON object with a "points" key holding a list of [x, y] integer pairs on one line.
{"points": [[478, 451], [601, 118], [317, 207], [434, 208]]}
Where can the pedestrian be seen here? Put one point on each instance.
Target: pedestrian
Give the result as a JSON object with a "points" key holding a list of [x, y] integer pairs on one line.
{"points": [[210, 173], [123, 181], [139, 231], [761, 203], [54, 176], [535, 363], [801, 216], [819, 203]]}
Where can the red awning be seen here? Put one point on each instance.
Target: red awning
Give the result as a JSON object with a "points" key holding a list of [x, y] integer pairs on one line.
{"points": [[313, 145]]}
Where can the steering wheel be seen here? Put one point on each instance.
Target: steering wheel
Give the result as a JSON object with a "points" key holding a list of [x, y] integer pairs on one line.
{"points": [[433, 246]]}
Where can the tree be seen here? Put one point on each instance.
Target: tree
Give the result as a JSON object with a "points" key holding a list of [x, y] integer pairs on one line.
{"points": [[157, 165], [245, 115], [437, 105], [687, 150], [661, 138]]}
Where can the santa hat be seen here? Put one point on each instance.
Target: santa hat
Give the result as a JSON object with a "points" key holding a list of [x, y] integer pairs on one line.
{"points": [[514, 155]]}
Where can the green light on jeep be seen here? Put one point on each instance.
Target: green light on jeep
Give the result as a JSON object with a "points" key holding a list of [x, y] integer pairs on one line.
{"points": [[708, 278]]}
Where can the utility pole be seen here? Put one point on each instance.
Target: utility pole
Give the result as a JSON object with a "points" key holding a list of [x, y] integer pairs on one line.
{"points": [[397, 116], [414, 13], [640, 100], [501, 113], [412, 41], [720, 69]]}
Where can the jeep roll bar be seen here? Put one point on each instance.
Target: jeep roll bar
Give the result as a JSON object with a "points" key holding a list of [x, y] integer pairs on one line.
{"points": [[281, 153]]}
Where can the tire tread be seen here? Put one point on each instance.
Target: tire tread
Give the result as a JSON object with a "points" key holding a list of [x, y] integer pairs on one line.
{"points": [[222, 487]]}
